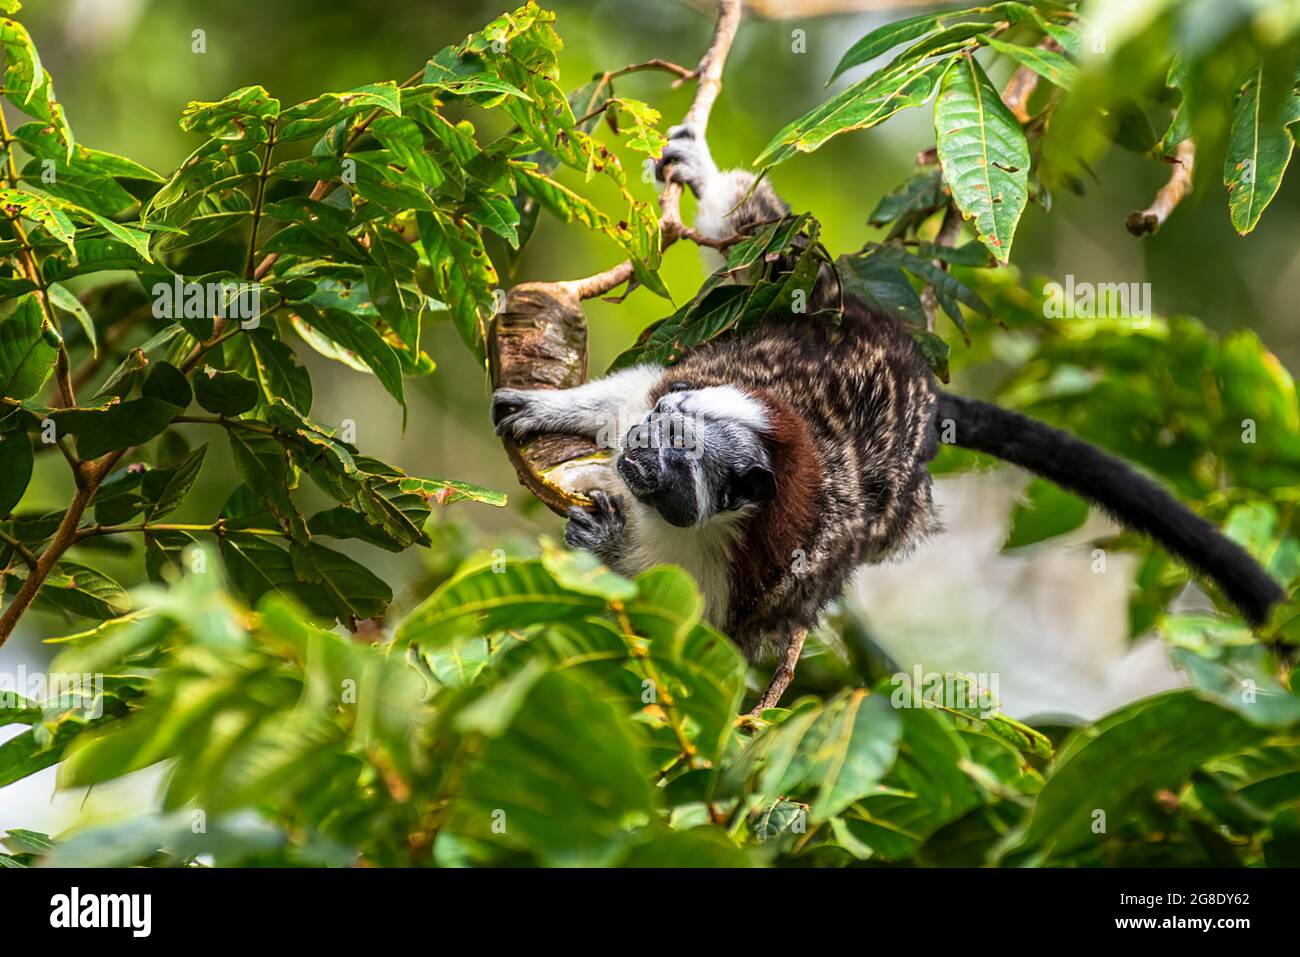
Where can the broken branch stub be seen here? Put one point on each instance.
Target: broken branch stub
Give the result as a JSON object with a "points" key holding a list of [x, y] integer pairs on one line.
{"points": [[539, 341]]}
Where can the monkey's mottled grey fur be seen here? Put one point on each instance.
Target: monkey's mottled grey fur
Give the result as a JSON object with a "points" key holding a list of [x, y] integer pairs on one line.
{"points": [[772, 466]]}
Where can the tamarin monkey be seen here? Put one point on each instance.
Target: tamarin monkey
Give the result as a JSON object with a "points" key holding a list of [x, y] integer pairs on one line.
{"points": [[771, 466]]}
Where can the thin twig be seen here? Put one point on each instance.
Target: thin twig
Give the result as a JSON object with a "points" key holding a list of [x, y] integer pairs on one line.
{"points": [[263, 175], [949, 229], [1144, 222], [216, 528], [671, 227], [21, 550], [89, 477]]}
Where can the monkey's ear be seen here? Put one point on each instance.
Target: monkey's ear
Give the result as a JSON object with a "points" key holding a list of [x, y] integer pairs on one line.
{"points": [[755, 484]]}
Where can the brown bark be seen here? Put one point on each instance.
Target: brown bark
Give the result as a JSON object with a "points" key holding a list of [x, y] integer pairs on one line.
{"points": [[539, 341], [1144, 222]]}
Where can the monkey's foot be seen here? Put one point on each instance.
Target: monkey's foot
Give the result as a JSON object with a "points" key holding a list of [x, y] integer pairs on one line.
{"points": [[685, 160]]}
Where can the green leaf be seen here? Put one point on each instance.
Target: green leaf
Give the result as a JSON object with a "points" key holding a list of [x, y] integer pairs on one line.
{"points": [[1157, 742], [168, 384], [313, 117], [16, 459], [137, 239], [278, 371], [1244, 680], [563, 778], [22, 756], [117, 426], [225, 393], [1046, 512], [463, 275], [233, 118], [264, 465], [256, 565], [703, 670], [483, 599], [861, 106], [440, 491], [166, 488], [885, 38], [362, 340], [935, 350], [24, 62], [582, 572], [983, 152], [1048, 64], [349, 590], [921, 194], [856, 740], [164, 554], [27, 83], [45, 211], [1259, 149], [61, 298], [884, 288], [118, 497], [84, 591]]}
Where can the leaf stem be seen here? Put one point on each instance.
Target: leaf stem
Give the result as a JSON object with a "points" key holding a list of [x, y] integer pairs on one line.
{"points": [[663, 696], [226, 423], [21, 550], [262, 175], [216, 528]]}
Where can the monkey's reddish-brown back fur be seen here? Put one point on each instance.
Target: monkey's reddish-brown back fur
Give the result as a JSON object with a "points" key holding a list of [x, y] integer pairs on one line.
{"points": [[851, 409]]}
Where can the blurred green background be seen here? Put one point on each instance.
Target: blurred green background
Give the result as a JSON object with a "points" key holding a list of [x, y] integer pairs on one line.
{"points": [[124, 69]]}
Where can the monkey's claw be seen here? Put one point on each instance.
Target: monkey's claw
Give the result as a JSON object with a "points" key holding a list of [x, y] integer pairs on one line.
{"points": [[598, 528]]}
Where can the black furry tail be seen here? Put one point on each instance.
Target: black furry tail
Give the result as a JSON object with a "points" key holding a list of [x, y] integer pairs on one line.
{"points": [[1132, 499]]}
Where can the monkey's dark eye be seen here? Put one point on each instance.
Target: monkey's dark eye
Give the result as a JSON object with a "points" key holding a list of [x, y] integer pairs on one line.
{"points": [[680, 387]]}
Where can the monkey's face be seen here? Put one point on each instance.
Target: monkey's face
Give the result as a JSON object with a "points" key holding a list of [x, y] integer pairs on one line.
{"points": [[699, 453]]}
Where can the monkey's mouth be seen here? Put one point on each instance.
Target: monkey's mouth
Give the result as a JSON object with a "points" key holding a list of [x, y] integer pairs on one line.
{"points": [[640, 476]]}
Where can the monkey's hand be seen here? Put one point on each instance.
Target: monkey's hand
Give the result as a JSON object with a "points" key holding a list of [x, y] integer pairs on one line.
{"points": [[598, 529], [519, 412], [686, 160]]}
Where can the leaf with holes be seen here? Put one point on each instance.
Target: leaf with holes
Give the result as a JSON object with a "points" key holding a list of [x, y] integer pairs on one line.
{"points": [[1259, 149], [983, 152]]}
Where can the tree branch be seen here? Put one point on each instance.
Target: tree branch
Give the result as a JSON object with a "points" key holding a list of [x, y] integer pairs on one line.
{"points": [[21, 550], [1144, 222], [89, 476], [671, 227], [1022, 84], [217, 528]]}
